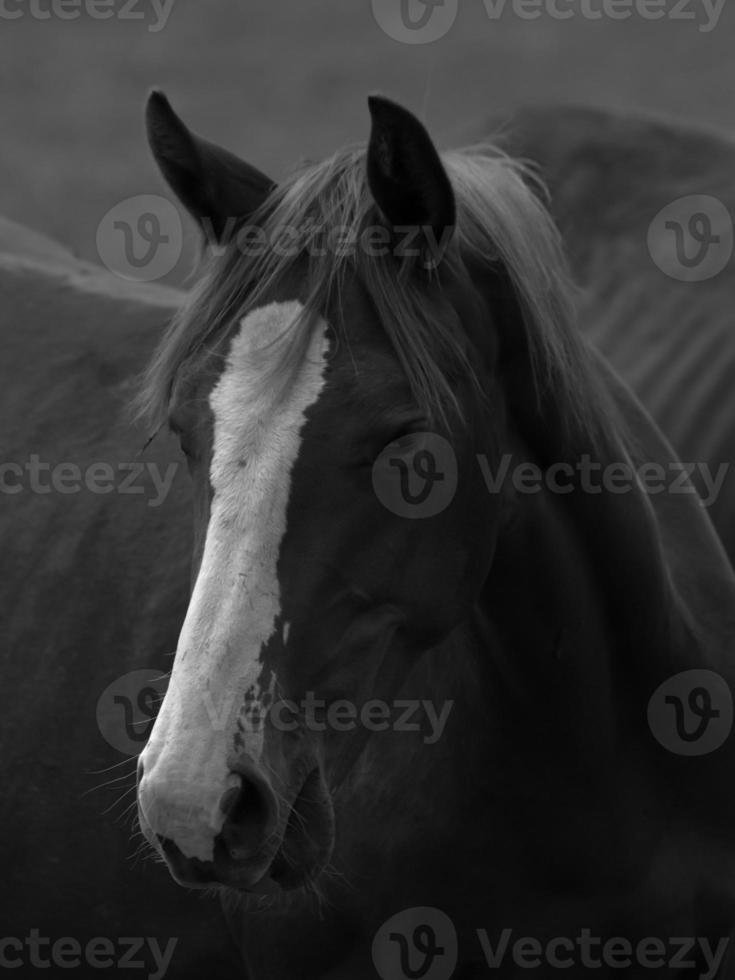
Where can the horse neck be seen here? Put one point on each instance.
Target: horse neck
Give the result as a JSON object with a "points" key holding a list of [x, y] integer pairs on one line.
{"points": [[576, 602], [583, 614], [579, 595], [578, 577], [574, 624]]}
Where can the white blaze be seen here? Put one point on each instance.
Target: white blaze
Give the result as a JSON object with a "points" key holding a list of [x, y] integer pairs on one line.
{"points": [[236, 602]]}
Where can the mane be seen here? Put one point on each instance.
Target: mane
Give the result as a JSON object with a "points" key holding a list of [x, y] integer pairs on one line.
{"points": [[501, 222]]}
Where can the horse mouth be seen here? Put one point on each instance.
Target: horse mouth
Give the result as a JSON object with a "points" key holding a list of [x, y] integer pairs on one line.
{"points": [[293, 858], [308, 839]]}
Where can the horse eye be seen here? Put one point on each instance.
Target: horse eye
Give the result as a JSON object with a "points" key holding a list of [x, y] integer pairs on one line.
{"points": [[408, 428], [187, 450], [182, 438], [401, 435], [184, 445], [373, 451]]}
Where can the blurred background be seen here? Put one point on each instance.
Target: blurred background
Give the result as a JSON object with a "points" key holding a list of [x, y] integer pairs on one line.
{"points": [[278, 81]]}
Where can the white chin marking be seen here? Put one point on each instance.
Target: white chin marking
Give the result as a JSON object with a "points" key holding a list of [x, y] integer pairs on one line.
{"points": [[217, 678]]}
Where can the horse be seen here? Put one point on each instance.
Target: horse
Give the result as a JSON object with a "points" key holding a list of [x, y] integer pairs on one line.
{"points": [[391, 421], [94, 584], [609, 175]]}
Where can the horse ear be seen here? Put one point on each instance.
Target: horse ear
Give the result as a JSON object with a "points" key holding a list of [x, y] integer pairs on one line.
{"points": [[215, 186], [405, 174]]}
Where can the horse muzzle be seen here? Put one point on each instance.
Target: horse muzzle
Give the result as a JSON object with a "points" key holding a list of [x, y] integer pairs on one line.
{"points": [[243, 835]]}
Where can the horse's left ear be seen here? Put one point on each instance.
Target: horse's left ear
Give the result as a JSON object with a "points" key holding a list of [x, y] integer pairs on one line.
{"points": [[406, 176], [214, 185]]}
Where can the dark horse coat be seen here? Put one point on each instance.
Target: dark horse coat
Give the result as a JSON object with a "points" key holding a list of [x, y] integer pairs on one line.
{"points": [[95, 585]]}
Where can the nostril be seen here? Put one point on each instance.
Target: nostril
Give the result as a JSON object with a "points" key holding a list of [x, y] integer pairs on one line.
{"points": [[249, 806], [249, 815], [140, 769]]}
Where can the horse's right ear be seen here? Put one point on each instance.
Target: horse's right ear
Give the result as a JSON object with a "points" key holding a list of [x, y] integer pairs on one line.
{"points": [[215, 186]]}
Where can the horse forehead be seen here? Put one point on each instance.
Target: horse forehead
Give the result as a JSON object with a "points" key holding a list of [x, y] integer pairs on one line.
{"points": [[257, 438], [251, 415], [256, 441]]}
